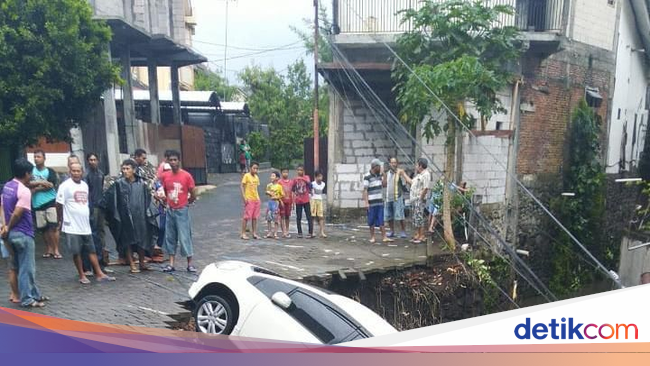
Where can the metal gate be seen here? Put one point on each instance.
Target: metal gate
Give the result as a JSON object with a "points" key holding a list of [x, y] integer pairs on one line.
{"points": [[193, 151]]}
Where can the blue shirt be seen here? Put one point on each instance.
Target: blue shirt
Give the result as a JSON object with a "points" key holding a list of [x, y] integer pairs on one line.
{"points": [[42, 198]]}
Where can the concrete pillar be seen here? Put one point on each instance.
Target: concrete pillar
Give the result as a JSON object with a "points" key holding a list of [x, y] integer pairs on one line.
{"points": [[127, 101], [154, 100], [334, 142], [112, 134], [77, 144], [176, 95]]}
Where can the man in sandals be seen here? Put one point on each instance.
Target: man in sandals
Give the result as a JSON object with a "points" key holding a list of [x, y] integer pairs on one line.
{"points": [[18, 232], [373, 187], [74, 221], [180, 191]]}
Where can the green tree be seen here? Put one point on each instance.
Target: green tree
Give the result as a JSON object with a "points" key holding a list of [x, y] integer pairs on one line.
{"points": [[208, 80], [459, 51], [582, 214], [285, 104], [54, 66]]}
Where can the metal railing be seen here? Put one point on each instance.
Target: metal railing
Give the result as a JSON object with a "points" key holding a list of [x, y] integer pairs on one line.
{"points": [[380, 16]]}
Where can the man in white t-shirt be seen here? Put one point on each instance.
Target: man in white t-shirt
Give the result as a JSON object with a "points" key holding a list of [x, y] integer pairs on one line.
{"points": [[74, 222]]}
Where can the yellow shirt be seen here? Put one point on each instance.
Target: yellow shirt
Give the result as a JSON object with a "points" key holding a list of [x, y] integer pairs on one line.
{"points": [[251, 183], [277, 192]]}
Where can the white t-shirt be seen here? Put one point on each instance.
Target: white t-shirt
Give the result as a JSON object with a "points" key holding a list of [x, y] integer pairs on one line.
{"points": [[76, 213], [317, 190]]}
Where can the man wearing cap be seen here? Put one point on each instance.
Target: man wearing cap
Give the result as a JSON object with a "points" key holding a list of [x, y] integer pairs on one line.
{"points": [[373, 186]]}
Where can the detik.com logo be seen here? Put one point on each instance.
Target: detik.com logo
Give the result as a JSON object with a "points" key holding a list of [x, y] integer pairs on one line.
{"points": [[571, 330]]}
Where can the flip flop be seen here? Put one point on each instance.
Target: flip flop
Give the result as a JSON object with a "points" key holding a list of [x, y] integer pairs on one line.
{"points": [[387, 240], [106, 279], [85, 281], [191, 269], [36, 304], [169, 269], [57, 256], [44, 298], [244, 237], [256, 237], [48, 255], [134, 270], [372, 241]]}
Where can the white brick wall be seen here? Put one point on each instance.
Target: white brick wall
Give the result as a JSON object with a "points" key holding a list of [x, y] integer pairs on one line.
{"points": [[594, 23]]}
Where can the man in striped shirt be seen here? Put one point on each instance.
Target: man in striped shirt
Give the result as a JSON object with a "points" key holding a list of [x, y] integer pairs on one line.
{"points": [[373, 186]]}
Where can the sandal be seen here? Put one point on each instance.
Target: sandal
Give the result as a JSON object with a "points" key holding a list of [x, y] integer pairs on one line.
{"points": [[48, 255], [84, 281], [106, 279], [256, 237], [244, 237], [44, 298], [134, 270], [57, 256], [191, 269], [169, 269], [387, 240], [36, 304]]}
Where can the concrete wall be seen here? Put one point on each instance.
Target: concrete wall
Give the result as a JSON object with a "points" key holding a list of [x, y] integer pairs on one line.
{"points": [[594, 23], [633, 262], [629, 117]]}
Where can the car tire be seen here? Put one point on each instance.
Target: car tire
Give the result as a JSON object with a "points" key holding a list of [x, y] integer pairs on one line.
{"points": [[213, 315]]}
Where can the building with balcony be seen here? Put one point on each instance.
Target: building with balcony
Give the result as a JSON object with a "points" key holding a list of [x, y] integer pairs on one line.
{"points": [[574, 49]]}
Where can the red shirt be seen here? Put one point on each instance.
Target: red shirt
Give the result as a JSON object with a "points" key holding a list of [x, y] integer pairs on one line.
{"points": [[301, 187], [287, 186], [177, 187]]}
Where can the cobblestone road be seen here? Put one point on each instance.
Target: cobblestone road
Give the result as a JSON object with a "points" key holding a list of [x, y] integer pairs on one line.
{"points": [[147, 299]]}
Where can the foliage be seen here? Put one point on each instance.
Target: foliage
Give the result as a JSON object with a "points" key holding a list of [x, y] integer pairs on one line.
{"points": [[208, 80], [458, 50], [285, 103], [259, 145], [54, 65], [582, 214], [325, 25]]}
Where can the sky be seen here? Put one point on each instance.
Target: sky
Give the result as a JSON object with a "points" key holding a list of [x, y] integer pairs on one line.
{"points": [[254, 26]]}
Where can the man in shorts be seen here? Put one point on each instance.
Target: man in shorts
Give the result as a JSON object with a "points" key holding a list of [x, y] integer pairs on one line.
{"points": [[43, 185], [74, 213], [394, 207], [373, 184], [287, 202]]}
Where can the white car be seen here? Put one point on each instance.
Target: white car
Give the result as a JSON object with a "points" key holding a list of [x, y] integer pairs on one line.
{"points": [[241, 299]]}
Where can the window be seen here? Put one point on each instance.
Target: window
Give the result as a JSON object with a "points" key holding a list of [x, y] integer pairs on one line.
{"points": [[611, 2], [619, 114], [321, 320], [499, 126]]}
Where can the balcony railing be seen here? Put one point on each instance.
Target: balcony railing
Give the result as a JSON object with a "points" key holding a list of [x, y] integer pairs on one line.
{"points": [[380, 16]]}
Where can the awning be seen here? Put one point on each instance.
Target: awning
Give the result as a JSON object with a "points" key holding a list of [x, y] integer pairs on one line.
{"points": [[145, 46]]}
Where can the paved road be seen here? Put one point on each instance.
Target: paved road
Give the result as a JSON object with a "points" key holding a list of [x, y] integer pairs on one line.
{"points": [[147, 299]]}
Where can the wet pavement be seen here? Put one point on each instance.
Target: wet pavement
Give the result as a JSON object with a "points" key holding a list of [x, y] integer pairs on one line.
{"points": [[149, 298]]}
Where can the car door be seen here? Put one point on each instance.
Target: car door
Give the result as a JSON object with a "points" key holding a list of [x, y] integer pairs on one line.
{"points": [[268, 321]]}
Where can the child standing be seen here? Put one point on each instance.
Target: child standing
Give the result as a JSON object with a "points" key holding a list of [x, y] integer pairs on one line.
{"points": [[275, 192], [317, 212], [287, 202]]}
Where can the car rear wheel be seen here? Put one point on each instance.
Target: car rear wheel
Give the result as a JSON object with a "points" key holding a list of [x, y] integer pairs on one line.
{"points": [[213, 315]]}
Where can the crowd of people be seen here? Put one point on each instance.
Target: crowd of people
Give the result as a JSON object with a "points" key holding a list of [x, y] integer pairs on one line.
{"points": [[145, 208], [284, 196]]}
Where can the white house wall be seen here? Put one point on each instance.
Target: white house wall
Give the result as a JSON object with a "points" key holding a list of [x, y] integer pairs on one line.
{"points": [[594, 22], [629, 101]]}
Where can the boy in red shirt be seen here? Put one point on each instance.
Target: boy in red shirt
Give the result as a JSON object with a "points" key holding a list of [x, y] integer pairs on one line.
{"points": [[287, 202], [180, 191], [301, 189]]}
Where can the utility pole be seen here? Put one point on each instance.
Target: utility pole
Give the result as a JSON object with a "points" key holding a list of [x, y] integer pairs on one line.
{"points": [[316, 127], [225, 56]]}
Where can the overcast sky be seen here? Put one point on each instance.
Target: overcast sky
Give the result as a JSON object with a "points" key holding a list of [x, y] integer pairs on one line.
{"points": [[253, 27]]}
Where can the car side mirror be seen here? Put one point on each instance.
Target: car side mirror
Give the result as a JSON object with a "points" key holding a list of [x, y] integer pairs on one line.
{"points": [[282, 300]]}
